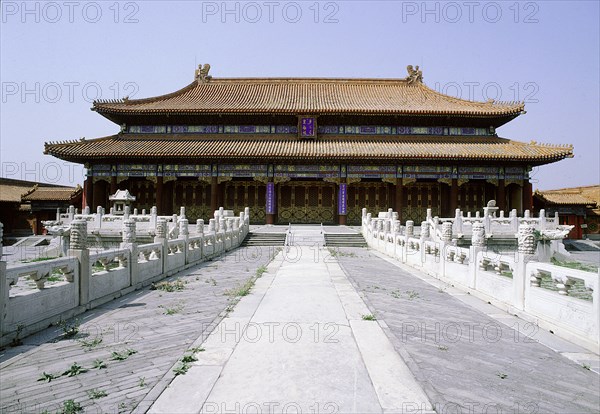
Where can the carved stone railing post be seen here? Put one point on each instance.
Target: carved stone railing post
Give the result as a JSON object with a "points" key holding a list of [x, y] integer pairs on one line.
{"points": [[184, 230], [477, 246], [396, 226], [199, 227], [447, 232], [526, 249], [387, 225], [153, 214], [162, 237], [212, 226], [78, 248], [425, 233], [410, 228], [526, 239], [478, 235], [128, 241], [184, 233]]}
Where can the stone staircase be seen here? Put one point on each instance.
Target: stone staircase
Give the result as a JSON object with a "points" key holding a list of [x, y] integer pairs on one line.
{"points": [[264, 239], [345, 240]]}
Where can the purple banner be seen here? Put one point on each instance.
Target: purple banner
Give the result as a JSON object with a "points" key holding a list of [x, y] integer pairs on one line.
{"points": [[270, 198], [342, 200]]}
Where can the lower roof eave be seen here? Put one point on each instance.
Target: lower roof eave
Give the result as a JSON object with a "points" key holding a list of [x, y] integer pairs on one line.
{"points": [[209, 159]]}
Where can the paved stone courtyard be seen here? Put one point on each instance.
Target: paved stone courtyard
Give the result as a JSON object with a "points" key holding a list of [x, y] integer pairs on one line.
{"points": [[469, 356], [430, 345], [158, 325]]}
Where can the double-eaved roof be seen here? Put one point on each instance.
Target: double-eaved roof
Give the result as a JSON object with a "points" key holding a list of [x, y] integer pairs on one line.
{"points": [[399, 102]]}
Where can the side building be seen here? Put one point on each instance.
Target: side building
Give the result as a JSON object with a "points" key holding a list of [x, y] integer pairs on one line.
{"points": [[309, 150], [577, 206]]}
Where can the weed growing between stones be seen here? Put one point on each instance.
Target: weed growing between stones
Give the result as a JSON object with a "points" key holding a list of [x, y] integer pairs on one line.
{"points": [[70, 329], [75, 369], [184, 365], [369, 317], [261, 270], [89, 344], [172, 310], [95, 394], [17, 339], [174, 286], [71, 407], [123, 355], [48, 377]]}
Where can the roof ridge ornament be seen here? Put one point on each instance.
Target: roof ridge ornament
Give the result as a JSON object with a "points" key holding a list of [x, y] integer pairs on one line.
{"points": [[202, 75], [414, 75]]}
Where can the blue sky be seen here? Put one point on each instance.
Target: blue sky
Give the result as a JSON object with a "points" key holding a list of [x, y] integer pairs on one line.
{"points": [[56, 57]]}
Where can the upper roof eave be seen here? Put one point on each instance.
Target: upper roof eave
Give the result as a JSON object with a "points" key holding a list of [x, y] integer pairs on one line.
{"points": [[250, 96]]}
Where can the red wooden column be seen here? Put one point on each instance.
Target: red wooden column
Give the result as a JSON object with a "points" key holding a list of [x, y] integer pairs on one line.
{"points": [[88, 198], [159, 194], [501, 195], [214, 194], [399, 196], [113, 184], [527, 195], [453, 196]]}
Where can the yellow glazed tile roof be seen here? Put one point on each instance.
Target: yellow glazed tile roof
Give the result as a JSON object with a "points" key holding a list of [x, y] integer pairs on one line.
{"points": [[140, 146], [308, 96]]}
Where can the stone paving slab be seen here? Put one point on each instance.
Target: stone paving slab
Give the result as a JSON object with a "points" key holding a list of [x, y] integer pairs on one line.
{"points": [[466, 360], [306, 348], [138, 321]]}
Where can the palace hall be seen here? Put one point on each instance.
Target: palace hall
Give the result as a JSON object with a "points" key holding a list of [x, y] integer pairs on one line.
{"points": [[309, 150]]}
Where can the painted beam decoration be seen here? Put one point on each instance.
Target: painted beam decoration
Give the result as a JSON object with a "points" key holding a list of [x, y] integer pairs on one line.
{"points": [[307, 128], [183, 170], [136, 170], [372, 171], [307, 171], [478, 173], [103, 170], [428, 171], [242, 170]]}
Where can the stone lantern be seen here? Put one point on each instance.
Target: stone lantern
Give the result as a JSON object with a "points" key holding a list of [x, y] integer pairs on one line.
{"points": [[120, 200]]}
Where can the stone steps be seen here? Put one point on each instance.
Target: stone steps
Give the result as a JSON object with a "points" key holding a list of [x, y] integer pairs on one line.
{"points": [[345, 240], [264, 239]]}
